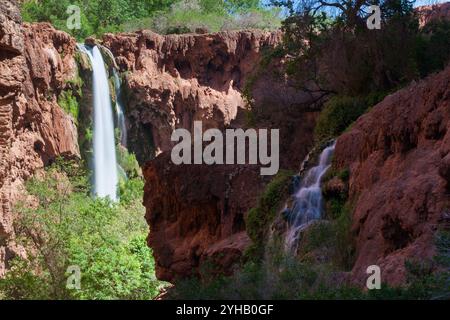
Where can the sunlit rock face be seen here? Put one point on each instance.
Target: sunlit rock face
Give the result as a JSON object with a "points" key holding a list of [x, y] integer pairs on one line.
{"points": [[196, 213], [436, 12], [399, 160], [175, 80], [35, 62]]}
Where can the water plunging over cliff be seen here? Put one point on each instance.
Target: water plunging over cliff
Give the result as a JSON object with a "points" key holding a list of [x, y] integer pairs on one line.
{"points": [[105, 163], [308, 202], [119, 110]]}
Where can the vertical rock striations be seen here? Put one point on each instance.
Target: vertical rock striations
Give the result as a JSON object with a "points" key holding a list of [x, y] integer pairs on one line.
{"points": [[35, 62], [176, 79], [399, 159]]}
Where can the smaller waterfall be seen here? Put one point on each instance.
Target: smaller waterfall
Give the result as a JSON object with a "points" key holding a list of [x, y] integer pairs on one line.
{"points": [[105, 162], [308, 201], [119, 110]]}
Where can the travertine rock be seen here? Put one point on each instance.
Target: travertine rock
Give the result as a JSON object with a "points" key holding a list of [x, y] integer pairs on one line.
{"points": [[399, 177], [35, 62]]}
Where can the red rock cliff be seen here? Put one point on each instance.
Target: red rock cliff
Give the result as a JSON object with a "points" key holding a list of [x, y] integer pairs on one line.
{"points": [[196, 213], [176, 79], [35, 62], [399, 158]]}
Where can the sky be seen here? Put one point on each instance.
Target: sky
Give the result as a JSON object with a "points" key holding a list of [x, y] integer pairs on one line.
{"points": [[427, 2], [418, 2]]}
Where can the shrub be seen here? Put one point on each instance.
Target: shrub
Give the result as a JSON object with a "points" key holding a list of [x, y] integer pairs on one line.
{"points": [[281, 276], [433, 47], [338, 113], [69, 104], [259, 219], [128, 162], [67, 227]]}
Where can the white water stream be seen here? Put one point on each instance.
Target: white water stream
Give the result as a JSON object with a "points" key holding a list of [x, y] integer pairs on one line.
{"points": [[308, 201], [105, 162]]}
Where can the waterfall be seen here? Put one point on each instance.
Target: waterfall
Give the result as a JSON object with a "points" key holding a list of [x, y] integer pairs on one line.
{"points": [[119, 110], [308, 201], [105, 163]]}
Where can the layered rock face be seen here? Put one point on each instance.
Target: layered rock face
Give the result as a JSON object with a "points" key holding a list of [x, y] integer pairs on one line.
{"points": [[196, 212], [175, 80], [435, 12], [399, 159], [35, 63], [196, 215]]}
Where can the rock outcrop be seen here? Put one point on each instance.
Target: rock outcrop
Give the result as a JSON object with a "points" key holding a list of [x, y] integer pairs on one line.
{"points": [[434, 12], [196, 215], [35, 62], [176, 79], [399, 160], [196, 212]]}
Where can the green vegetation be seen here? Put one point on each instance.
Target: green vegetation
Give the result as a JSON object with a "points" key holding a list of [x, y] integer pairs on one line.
{"points": [[433, 47], [164, 16], [334, 52], [60, 225], [69, 98], [340, 112], [208, 15], [282, 276], [127, 161], [69, 104], [259, 219]]}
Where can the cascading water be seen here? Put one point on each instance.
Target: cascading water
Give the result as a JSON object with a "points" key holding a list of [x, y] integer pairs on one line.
{"points": [[105, 163], [308, 201], [119, 110]]}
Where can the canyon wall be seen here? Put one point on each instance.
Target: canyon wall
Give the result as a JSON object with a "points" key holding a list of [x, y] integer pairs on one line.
{"points": [[196, 213], [35, 62], [399, 160], [174, 80]]}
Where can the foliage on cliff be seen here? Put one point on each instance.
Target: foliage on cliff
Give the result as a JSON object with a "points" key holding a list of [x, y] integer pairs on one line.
{"points": [[281, 276], [332, 50], [260, 218], [164, 16], [61, 225]]}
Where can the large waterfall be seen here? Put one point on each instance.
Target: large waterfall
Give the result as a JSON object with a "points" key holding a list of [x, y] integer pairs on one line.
{"points": [[105, 163], [308, 201]]}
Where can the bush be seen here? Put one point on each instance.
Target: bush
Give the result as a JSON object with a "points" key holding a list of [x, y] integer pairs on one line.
{"points": [[69, 104], [340, 112], [258, 219], [164, 16], [281, 277], [97, 16], [433, 47], [63, 226], [128, 162], [189, 15]]}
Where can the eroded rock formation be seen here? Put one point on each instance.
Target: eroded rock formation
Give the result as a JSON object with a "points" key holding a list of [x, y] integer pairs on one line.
{"points": [[176, 79], [196, 213], [399, 160], [35, 62]]}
